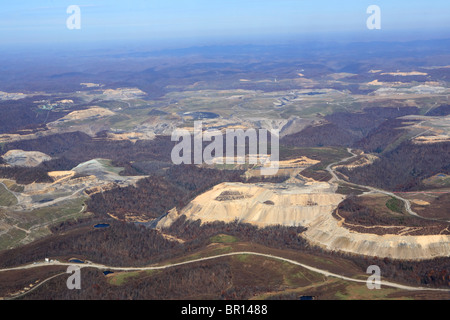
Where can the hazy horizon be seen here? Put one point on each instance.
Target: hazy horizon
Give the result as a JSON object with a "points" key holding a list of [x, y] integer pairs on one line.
{"points": [[177, 24]]}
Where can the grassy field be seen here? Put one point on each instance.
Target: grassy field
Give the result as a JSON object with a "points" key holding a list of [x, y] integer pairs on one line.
{"points": [[37, 221], [439, 181], [120, 278], [223, 238], [59, 212], [11, 238], [354, 291], [107, 164], [346, 189], [395, 205], [12, 186], [384, 205], [7, 199]]}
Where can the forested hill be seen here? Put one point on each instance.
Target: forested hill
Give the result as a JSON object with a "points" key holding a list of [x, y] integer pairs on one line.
{"points": [[405, 167]]}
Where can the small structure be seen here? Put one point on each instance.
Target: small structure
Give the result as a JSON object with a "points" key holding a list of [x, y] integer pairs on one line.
{"points": [[307, 298]]}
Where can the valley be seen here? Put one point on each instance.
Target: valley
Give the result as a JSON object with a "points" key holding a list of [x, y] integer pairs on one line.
{"points": [[363, 176]]}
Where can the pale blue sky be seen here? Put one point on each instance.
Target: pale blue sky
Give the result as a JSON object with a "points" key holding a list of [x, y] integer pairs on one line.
{"points": [[44, 21]]}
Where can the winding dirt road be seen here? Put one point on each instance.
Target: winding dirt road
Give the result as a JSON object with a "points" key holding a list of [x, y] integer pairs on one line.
{"points": [[320, 271], [407, 203]]}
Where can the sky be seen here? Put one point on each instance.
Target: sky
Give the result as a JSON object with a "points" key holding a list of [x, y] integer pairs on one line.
{"points": [[218, 21]]}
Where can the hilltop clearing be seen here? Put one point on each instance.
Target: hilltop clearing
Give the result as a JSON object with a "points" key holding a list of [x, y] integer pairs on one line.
{"points": [[22, 158]]}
